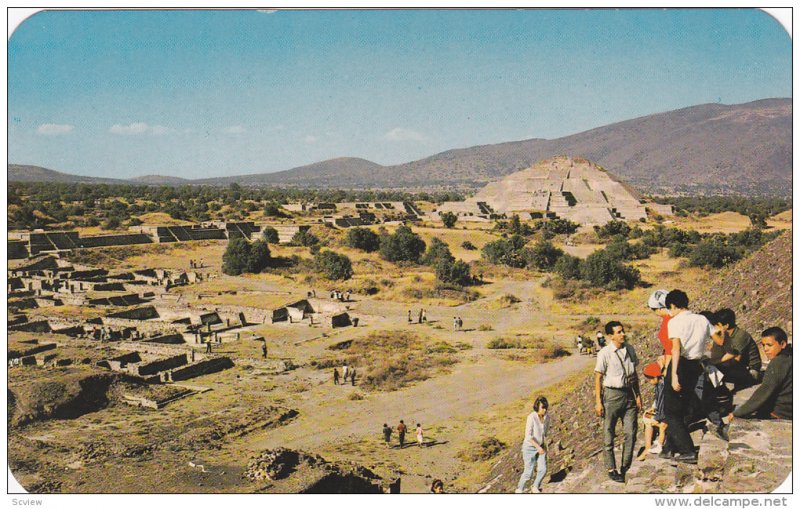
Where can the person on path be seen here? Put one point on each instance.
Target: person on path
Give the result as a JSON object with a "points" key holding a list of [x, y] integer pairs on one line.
{"points": [[690, 334], [387, 435], [455, 323], [264, 349], [352, 377], [208, 345], [419, 318], [617, 397], [424, 316], [601, 340], [773, 398], [534, 450], [401, 432], [409, 316], [345, 372], [420, 437], [335, 376]]}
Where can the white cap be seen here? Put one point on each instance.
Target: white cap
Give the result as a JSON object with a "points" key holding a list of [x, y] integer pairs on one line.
{"points": [[658, 299]]}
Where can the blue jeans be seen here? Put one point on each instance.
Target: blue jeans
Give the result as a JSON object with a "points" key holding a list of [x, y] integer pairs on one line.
{"points": [[531, 456]]}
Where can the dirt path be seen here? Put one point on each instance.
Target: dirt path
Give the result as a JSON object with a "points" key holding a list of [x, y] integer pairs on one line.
{"points": [[450, 404]]}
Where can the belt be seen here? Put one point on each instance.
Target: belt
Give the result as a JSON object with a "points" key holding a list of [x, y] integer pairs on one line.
{"points": [[619, 388]]}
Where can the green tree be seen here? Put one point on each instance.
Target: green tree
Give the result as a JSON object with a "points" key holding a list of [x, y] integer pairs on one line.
{"points": [[304, 238], [333, 266], [236, 257], [363, 239], [272, 209], [543, 255], [604, 269], [568, 267], [449, 219], [453, 272], [437, 250], [258, 258], [505, 251], [270, 235], [402, 245]]}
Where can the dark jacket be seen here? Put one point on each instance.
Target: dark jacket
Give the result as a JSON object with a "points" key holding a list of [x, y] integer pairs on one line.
{"points": [[743, 342], [774, 395]]}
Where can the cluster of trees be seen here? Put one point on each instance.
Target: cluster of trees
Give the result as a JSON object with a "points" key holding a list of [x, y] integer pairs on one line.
{"points": [[548, 228], [243, 256], [758, 209], [42, 204], [405, 246], [701, 250]]}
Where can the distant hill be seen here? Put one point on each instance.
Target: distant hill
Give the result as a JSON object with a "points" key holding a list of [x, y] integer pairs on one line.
{"points": [[710, 148], [26, 173], [321, 174], [160, 180]]}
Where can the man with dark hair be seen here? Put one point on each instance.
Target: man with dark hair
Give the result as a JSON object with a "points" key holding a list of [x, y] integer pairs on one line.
{"points": [[690, 334], [617, 397], [737, 355], [773, 398]]}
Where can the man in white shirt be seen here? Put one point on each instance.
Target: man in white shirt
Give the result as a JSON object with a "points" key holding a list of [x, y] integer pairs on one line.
{"points": [[617, 397], [690, 334]]}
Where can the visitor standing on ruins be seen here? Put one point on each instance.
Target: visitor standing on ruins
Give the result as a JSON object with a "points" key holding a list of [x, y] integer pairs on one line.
{"points": [[387, 434], [409, 316], [401, 432], [419, 318], [653, 417], [534, 450], [336, 377], [690, 334], [264, 348], [617, 397], [424, 316], [208, 345], [773, 398]]}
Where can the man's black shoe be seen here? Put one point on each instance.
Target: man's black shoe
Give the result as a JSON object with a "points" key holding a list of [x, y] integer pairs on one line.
{"points": [[616, 476], [687, 458], [722, 432], [666, 454]]}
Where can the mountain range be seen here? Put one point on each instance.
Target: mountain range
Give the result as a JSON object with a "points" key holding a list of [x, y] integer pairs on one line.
{"points": [[709, 148]]}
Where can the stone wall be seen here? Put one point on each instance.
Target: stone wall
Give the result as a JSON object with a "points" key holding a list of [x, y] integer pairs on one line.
{"points": [[154, 367], [115, 240], [203, 367]]}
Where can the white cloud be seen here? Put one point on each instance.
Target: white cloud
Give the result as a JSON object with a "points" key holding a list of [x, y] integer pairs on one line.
{"points": [[54, 129], [311, 139], [235, 129], [130, 129], [403, 134], [160, 129]]}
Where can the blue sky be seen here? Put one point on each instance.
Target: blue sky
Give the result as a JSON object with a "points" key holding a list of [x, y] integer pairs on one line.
{"points": [[211, 93]]}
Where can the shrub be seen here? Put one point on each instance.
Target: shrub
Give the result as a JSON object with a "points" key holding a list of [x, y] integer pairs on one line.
{"points": [[240, 256], [484, 450], [453, 272], [568, 267], [604, 269], [304, 238], [272, 209], [612, 228], [713, 253], [402, 245], [449, 219], [270, 235], [505, 251], [333, 266], [437, 251], [543, 255], [469, 246], [363, 239]]}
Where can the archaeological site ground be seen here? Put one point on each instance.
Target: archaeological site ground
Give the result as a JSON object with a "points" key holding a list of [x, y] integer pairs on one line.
{"points": [[148, 355]]}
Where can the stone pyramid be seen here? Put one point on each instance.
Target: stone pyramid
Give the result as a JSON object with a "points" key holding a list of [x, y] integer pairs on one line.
{"points": [[564, 187]]}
